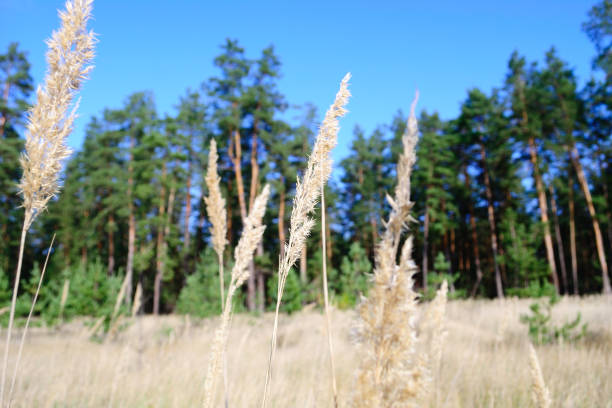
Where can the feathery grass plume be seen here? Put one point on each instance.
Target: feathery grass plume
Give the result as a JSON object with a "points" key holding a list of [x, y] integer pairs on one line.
{"points": [[50, 121], [307, 194], [540, 393], [215, 206], [391, 373], [243, 254]]}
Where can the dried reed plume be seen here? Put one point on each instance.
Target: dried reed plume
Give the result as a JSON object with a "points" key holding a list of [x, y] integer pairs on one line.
{"points": [[540, 394], [243, 254], [307, 193], [215, 206], [50, 121], [391, 373]]}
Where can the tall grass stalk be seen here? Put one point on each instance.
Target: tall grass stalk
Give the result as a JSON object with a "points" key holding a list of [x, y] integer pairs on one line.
{"points": [[307, 194], [540, 393], [328, 325], [391, 373], [252, 233], [27, 323], [50, 121]]}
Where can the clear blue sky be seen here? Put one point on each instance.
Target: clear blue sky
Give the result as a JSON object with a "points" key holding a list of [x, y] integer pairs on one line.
{"points": [[390, 47]]}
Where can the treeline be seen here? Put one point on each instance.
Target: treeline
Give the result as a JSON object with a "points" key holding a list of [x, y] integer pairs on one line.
{"points": [[512, 196]]}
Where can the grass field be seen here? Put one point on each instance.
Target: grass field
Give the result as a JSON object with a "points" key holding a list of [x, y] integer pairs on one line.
{"points": [[161, 362]]}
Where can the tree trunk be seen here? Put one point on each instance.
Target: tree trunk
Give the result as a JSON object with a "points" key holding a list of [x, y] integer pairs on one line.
{"points": [[5, 96], [533, 157], [598, 237], [161, 213], [111, 244], [236, 158], [553, 205], [550, 254], [425, 246], [254, 187], [129, 270], [572, 226], [164, 250], [186, 235], [475, 249], [281, 220], [492, 227]]}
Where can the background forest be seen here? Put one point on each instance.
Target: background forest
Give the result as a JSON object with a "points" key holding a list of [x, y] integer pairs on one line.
{"points": [[512, 195]]}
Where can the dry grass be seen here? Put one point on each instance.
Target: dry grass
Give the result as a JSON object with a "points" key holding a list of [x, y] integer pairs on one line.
{"points": [[485, 360], [307, 191]]}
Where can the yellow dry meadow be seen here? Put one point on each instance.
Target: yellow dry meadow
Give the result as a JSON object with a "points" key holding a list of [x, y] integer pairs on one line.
{"points": [[160, 362]]}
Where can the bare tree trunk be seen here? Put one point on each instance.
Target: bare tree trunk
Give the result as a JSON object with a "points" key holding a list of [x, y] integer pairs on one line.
{"points": [[186, 235], [281, 220], [572, 225], [474, 234], [491, 216], [129, 270], [425, 246], [553, 205], [550, 254], [161, 213], [533, 156], [111, 244], [164, 248], [598, 237], [236, 158]]}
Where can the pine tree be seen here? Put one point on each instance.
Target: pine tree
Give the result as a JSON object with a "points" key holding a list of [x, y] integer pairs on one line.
{"points": [[15, 89]]}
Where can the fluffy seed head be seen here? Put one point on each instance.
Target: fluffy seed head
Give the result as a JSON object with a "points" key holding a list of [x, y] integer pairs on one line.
{"points": [[391, 373], [215, 203], [50, 121], [540, 393]]}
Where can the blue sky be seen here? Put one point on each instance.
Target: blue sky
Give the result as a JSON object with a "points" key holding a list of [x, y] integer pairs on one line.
{"points": [[442, 48]]}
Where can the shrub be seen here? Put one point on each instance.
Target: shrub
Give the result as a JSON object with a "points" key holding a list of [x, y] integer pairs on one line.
{"points": [[200, 296], [354, 272], [541, 329]]}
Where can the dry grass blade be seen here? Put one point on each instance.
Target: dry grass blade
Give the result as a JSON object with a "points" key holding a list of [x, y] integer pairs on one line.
{"points": [[307, 194], [243, 254], [391, 373], [49, 123], [27, 323], [541, 395]]}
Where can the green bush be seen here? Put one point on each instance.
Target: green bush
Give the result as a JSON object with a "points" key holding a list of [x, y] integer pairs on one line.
{"points": [[354, 272], [542, 331], [91, 293], [201, 296], [292, 296], [535, 289]]}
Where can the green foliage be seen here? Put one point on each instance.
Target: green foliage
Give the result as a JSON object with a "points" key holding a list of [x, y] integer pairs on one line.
{"points": [[292, 296], [91, 293], [355, 270], [535, 289], [200, 295], [541, 329], [441, 274], [528, 270]]}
